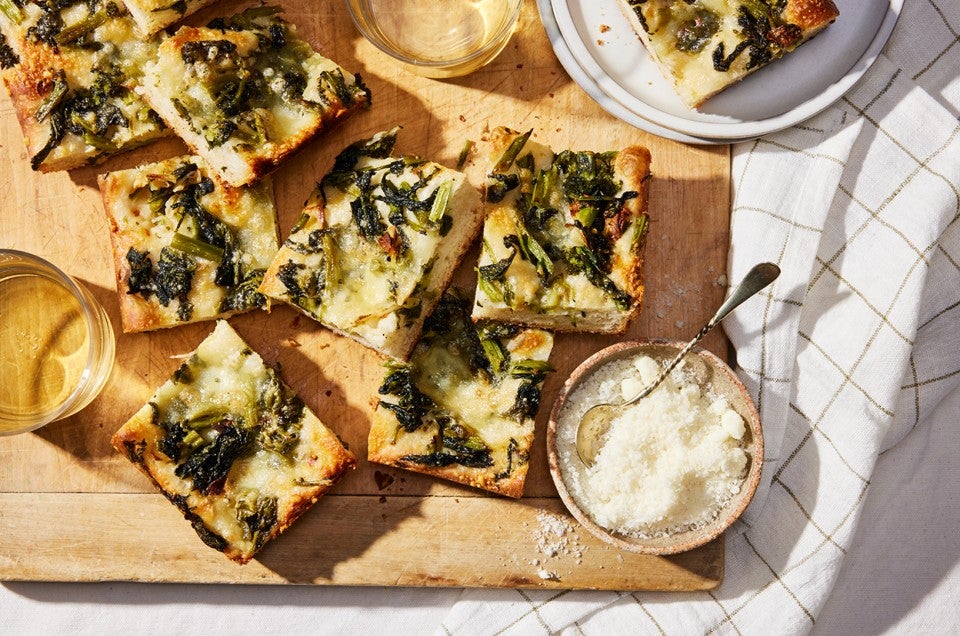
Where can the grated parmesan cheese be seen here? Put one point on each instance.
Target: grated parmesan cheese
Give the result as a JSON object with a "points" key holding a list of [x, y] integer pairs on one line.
{"points": [[670, 462]]}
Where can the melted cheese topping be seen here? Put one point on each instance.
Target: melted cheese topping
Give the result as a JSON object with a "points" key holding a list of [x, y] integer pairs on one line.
{"points": [[691, 62], [373, 288], [119, 46], [568, 293], [225, 377], [247, 211]]}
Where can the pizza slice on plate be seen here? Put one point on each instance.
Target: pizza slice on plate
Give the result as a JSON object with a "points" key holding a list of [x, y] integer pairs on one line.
{"points": [[463, 407], [71, 68], [564, 234], [186, 246], [233, 447], [245, 92], [705, 46]]}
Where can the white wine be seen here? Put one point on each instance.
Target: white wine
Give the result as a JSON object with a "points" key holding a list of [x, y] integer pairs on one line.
{"points": [[54, 339], [44, 345], [431, 34]]}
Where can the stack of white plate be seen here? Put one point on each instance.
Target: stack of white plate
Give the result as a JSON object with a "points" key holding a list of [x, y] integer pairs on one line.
{"points": [[597, 46]]}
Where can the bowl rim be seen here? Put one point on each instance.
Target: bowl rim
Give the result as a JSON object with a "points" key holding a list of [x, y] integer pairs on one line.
{"points": [[497, 40], [728, 513]]}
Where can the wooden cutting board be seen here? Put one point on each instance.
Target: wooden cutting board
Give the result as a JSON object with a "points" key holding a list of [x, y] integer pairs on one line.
{"points": [[71, 509]]}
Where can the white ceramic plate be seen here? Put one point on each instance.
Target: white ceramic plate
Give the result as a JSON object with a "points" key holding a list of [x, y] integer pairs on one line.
{"points": [[588, 84], [604, 46]]}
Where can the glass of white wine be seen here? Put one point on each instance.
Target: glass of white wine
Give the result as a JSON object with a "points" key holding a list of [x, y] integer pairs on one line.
{"points": [[437, 38], [56, 344]]}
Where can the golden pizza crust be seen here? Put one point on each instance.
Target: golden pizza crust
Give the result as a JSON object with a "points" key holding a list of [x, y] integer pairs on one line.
{"points": [[153, 15], [248, 211], [590, 310], [170, 78], [811, 15], [477, 407], [694, 76], [316, 462]]}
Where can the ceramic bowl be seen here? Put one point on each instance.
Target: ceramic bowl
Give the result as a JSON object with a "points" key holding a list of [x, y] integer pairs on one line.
{"points": [[708, 371]]}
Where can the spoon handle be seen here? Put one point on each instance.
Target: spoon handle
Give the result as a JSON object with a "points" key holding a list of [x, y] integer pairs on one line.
{"points": [[756, 279]]}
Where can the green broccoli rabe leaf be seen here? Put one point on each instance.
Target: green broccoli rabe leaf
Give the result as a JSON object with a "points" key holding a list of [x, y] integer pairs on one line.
{"points": [[377, 147], [245, 295], [496, 271], [209, 465], [412, 405], [257, 517], [12, 11], [367, 218], [174, 276], [52, 99], [581, 259], [498, 185], [513, 150], [458, 444], [304, 286], [281, 415], [8, 57], [531, 251], [140, 280], [527, 402], [210, 52]]}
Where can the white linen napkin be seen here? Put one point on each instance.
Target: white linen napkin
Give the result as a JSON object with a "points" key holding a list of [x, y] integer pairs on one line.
{"points": [[845, 354]]}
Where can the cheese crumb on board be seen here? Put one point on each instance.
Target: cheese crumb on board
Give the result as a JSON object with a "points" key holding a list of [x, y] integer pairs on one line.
{"points": [[669, 463]]}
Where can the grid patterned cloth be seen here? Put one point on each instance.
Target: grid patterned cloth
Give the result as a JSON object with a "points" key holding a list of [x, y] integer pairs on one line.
{"points": [[845, 354]]}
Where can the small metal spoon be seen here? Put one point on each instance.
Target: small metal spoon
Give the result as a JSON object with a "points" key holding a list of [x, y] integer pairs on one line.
{"points": [[596, 421]]}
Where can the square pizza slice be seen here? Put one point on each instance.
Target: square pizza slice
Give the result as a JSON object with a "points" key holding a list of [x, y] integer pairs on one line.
{"points": [[186, 246], [247, 91], [564, 234], [705, 46], [377, 244], [233, 447], [153, 15], [71, 68], [463, 407]]}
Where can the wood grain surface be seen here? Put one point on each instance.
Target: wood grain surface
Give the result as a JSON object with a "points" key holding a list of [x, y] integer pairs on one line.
{"points": [[72, 509]]}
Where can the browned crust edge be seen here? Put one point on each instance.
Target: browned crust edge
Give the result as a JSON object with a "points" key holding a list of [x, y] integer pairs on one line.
{"points": [[811, 15], [511, 486], [633, 166], [259, 165], [136, 313]]}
